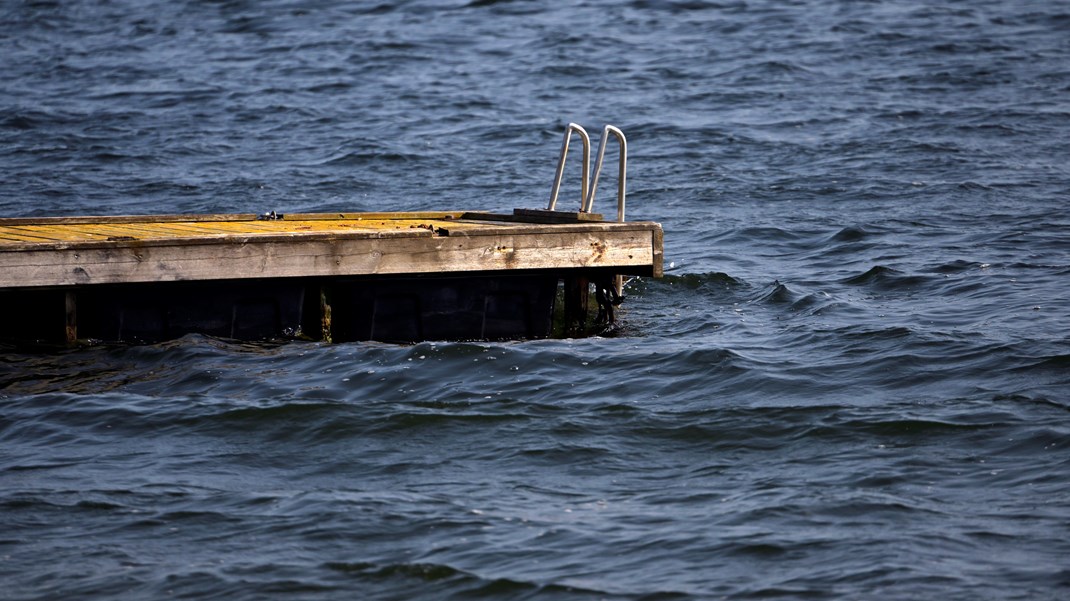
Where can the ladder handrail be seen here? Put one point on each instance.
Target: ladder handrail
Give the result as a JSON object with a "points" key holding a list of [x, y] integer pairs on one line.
{"points": [[587, 197], [572, 127], [588, 203]]}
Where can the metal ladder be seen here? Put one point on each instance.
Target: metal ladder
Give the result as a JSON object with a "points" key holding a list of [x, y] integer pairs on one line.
{"points": [[589, 180], [588, 185]]}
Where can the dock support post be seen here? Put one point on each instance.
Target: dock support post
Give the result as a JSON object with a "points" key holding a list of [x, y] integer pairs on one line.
{"points": [[577, 296], [607, 291], [71, 317], [325, 316]]}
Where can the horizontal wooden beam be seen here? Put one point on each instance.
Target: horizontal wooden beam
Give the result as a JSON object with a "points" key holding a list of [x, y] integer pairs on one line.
{"points": [[627, 250]]}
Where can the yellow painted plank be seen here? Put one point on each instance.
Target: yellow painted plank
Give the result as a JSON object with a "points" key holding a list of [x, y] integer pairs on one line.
{"points": [[174, 230], [108, 231], [104, 231], [159, 230], [40, 233]]}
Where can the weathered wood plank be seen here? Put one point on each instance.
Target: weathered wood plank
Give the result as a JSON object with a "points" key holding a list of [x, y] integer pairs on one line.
{"points": [[88, 232], [536, 216], [658, 258], [228, 217], [414, 228], [410, 252], [20, 235], [123, 219]]}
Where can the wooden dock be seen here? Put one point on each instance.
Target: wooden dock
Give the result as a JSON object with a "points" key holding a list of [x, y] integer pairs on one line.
{"points": [[339, 276]]}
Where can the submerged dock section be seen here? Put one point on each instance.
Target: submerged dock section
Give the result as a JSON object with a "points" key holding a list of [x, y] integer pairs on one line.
{"points": [[325, 276]]}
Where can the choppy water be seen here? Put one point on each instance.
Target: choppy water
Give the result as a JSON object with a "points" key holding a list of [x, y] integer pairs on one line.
{"points": [[852, 383]]}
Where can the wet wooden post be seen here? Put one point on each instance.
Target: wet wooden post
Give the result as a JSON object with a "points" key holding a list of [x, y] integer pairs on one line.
{"points": [[325, 316], [577, 295], [71, 316]]}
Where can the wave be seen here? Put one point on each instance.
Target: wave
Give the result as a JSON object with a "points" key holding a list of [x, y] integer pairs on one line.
{"points": [[886, 278], [697, 281], [457, 582]]}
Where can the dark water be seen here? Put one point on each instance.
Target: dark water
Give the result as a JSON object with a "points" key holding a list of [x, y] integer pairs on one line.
{"points": [[854, 381]]}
